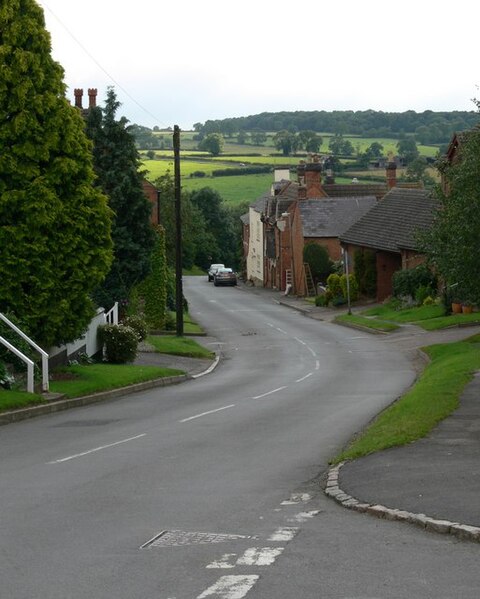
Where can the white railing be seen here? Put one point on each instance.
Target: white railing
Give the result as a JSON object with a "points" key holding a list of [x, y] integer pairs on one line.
{"points": [[29, 362], [111, 317]]}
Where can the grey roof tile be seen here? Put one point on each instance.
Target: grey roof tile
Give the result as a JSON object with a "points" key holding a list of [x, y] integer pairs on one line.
{"points": [[392, 224], [330, 217]]}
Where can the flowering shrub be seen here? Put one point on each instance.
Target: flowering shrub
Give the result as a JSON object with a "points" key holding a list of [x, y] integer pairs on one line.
{"points": [[138, 324], [6, 379], [120, 343]]}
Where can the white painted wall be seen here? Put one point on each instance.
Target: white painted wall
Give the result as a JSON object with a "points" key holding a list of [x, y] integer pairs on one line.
{"points": [[255, 249]]}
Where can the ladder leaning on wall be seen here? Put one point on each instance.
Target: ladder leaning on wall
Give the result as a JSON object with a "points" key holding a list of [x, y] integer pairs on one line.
{"points": [[308, 280]]}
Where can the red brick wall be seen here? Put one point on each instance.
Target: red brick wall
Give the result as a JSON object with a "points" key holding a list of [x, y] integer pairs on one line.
{"points": [[387, 264]]}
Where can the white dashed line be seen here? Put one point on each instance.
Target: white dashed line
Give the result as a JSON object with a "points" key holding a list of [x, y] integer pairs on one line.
{"points": [[281, 331], [304, 377], [300, 341], [224, 561], [284, 534], [317, 365], [260, 556], [303, 516], [84, 453], [311, 351], [230, 587], [269, 392], [207, 413]]}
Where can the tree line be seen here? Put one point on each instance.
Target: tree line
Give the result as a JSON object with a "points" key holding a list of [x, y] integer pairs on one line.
{"points": [[429, 127]]}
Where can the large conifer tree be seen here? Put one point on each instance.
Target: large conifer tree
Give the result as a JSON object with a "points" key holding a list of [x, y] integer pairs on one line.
{"points": [[55, 244], [117, 164]]}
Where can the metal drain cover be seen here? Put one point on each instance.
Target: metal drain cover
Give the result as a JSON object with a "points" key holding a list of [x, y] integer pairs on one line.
{"points": [[175, 538]]}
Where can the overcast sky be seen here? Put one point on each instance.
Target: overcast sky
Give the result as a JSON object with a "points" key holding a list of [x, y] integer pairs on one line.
{"points": [[185, 61]]}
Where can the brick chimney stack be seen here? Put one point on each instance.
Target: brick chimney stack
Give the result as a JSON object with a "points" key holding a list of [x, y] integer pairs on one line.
{"points": [[92, 97], [313, 178], [78, 97], [391, 172]]}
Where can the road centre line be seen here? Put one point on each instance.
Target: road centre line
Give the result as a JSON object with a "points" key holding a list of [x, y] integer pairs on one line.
{"points": [[84, 453], [304, 377], [207, 413], [317, 365], [281, 330], [300, 341], [269, 392]]}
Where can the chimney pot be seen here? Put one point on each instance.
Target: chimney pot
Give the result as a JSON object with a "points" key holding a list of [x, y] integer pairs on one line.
{"points": [[78, 93], [92, 97]]}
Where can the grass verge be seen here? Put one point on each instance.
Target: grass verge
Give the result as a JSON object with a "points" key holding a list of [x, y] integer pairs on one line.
{"points": [[179, 346], [432, 399], [368, 323], [82, 380], [407, 314]]}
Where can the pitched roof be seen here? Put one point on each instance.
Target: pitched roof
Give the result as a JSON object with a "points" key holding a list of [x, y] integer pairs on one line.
{"points": [[392, 224], [335, 190], [330, 217]]}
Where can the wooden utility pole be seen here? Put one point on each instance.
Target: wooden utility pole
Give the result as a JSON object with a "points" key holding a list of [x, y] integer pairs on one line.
{"points": [[178, 237]]}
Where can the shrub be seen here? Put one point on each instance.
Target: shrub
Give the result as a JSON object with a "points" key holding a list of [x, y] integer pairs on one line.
{"points": [[170, 322], [138, 324], [198, 174], [333, 283], [338, 301], [422, 293], [6, 379], [428, 301], [120, 343], [406, 282], [321, 300], [353, 285], [316, 256], [18, 342]]}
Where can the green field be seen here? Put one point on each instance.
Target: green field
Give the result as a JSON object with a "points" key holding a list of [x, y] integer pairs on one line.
{"points": [[234, 190]]}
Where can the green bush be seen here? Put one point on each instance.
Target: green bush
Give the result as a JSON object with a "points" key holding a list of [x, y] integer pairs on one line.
{"points": [[138, 324], [321, 300], [18, 342], [120, 343], [333, 284], [422, 293], [316, 256], [352, 284], [406, 282], [170, 322]]}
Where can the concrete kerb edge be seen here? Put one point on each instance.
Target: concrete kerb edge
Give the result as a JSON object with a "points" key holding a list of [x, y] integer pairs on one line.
{"points": [[333, 490], [65, 404]]}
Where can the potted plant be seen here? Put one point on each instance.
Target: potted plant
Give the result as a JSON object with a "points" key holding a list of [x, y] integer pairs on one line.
{"points": [[467, 307], [456, 306]]}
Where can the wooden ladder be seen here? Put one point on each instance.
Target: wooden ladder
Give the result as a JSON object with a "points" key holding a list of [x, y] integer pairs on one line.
{"points": [[308, 280]]}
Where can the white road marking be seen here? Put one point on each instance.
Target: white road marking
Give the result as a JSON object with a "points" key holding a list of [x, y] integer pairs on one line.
{"points": [[297, 498], [208, 370], [304, 377], [260, 556], [300, 341], [317, 365], [269, 392], [311, 351], [224, 561], [284, 534], [303, 516], [84, 453], [230, 587], [281, 331], [207, 413]]}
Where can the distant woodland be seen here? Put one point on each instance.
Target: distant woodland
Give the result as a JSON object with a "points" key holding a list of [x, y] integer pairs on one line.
{"points": [[428, 127]]}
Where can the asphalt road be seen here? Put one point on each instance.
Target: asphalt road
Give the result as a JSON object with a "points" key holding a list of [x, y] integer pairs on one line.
{"points": [[213, 488]]}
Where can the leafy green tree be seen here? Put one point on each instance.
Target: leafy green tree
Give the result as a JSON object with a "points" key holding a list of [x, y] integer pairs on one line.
{"points": [[242, 137], [154, 287], [117, 165], [407, 149], [212, 143], [335, 144], [287, 142], [258, 137], [316, 256], [55, 244], [452, 242]]}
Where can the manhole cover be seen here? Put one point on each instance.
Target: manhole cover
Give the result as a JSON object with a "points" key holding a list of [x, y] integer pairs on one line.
{"points": [[174, 538]]}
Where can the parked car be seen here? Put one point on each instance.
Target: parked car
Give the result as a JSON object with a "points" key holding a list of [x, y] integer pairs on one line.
{"points": [[224, 276], [213, 269]]}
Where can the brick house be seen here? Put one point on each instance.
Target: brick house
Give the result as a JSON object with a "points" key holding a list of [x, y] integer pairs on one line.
{"points": [[390, 229]]}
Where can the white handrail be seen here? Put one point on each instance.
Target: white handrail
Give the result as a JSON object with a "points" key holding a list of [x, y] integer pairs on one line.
{"points": [[43, 353], [29, 363], [111, 317]]}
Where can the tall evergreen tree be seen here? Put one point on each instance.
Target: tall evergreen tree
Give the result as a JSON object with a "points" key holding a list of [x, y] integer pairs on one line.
{"points": [[55, 244], [117, 164]]}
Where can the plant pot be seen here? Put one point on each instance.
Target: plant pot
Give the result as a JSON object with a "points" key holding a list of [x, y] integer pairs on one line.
{"points": [[467, 309], [456, 308]]}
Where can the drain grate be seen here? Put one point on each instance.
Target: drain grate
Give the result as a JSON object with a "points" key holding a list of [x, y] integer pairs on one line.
{"points": [[176, 538]]}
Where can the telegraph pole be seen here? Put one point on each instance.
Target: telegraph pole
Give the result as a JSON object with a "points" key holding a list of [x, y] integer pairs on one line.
{"points": [[178, 237]]}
